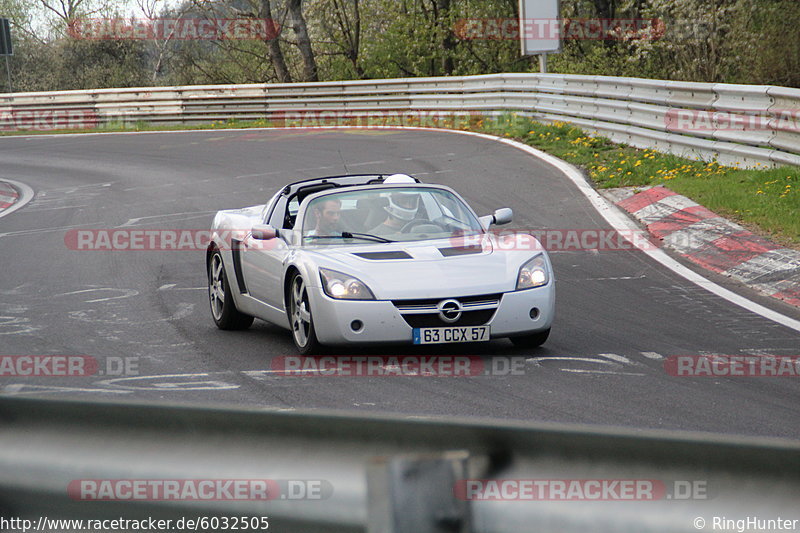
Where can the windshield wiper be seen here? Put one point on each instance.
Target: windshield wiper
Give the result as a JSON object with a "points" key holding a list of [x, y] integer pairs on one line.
{"points": [[348, 235]]}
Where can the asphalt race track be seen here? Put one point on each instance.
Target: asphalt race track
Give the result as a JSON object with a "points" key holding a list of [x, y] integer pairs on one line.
{"points": [[619, 314]]}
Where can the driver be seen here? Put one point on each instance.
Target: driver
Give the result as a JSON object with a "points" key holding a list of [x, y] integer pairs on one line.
{"points": [[402, 209]]}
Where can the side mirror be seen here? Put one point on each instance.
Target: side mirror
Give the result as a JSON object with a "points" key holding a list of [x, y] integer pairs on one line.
{"points": [[500, 217], [263, 232], [503, 216]]}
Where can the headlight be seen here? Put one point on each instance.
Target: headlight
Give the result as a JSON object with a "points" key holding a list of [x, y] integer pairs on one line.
{"points": [[343, 286], [533, 274]]}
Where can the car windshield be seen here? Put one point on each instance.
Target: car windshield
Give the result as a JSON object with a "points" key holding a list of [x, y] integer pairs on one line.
{"points": [[386, 215]]}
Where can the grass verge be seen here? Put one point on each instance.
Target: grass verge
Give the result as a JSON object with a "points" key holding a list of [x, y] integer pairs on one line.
{"points": [[766, 200]]}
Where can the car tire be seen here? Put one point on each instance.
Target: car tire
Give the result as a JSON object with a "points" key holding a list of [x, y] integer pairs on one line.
{"points": [[301, 321], [531, 341], [223, 308]]}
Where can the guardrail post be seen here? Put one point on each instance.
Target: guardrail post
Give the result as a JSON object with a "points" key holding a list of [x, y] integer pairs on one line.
{"points": [[415, 494]]}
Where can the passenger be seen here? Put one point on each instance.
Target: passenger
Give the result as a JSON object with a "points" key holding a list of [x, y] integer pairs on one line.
{"points": [[328, 214]]}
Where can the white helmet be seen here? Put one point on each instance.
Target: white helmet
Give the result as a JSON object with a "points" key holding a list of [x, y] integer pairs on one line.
{"points": [[403, 205], [399, 178]]}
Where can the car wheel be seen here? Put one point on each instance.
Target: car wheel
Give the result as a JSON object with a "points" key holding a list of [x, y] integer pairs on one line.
{"points": [[223, 309], [300, 319], [531, 341]]}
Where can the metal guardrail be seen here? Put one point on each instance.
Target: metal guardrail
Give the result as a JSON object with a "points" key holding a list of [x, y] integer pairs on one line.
{"points": [[641, 112], [382, 473]]}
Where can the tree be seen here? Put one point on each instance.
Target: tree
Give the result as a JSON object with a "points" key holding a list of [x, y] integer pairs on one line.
{"points": [[445, 29], [339, 24], [273, 43], [298, 22]]}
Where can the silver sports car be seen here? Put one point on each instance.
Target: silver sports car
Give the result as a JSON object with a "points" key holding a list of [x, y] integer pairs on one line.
{"points": [[374, 258]]}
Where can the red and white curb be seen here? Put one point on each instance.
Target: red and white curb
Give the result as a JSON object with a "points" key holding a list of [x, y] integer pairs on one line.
{"points": [[13, 195], [8, 195], [715, 243]]}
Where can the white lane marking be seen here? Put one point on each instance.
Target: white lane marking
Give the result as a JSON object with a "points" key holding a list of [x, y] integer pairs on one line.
{"points": [[312, 168], [614, 372], [447, 154], [39, 230], [173, 287], [620, 278], [615, 357], [433, 172], [26, 194], [365, 163], [195, 214], [242, 176], [35, 209], [17, 325], [20, 389], [653, 355], [16, 290], [608, 359], [74, 188], [260, 374], [148, 187], [209, 384], [537, 360], [127, 293]]}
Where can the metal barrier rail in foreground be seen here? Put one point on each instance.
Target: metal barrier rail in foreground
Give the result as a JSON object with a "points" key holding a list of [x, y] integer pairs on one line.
{"points": [[384, 473]]}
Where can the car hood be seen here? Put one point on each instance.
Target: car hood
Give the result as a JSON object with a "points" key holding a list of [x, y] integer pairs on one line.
{"points": [[429, 269]]}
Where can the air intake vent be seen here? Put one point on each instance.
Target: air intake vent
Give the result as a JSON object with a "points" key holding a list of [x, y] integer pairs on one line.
{"points": [[378, 256], [461, 250]]}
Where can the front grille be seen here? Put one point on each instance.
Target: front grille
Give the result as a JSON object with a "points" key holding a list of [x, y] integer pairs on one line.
{"points": [[475, 310], [431, 302], [468, 318]]}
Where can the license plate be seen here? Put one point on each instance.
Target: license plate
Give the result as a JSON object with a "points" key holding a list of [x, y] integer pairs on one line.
{"points": [[451, 334]]}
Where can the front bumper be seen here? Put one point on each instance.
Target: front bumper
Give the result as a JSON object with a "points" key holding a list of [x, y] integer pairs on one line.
{"points": [[383, 322]]}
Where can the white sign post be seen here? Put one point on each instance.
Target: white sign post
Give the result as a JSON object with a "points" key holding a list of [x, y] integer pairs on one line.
{"points": [[540, 29]]}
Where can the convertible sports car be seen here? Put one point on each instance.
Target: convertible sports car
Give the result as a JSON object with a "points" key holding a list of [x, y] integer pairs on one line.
{"points": [[374, 258]]}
